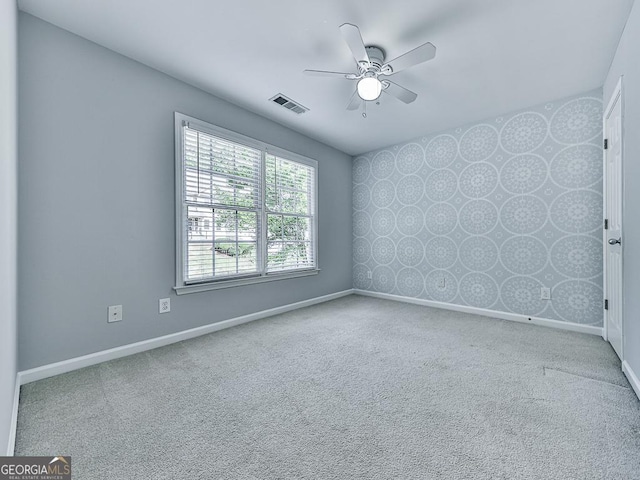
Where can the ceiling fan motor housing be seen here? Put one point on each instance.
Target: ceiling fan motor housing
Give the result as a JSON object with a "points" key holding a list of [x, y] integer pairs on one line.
{"points": [[376, 57]]}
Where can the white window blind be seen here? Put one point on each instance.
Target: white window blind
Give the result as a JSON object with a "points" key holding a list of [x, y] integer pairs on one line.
{"points": [[244, 210], [290, 207], [222, 202]]}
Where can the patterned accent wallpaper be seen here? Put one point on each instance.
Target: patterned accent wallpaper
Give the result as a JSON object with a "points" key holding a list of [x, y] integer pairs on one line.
{"points": [[488, 214]]}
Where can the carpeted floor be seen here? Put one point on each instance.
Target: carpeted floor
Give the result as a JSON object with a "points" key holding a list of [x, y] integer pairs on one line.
{"points": [[353, 388]]}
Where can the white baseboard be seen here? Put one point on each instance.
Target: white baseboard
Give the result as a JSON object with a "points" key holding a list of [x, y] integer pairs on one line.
{"points": [[13, 427], [631, 376], [65, 366], [574, 327]]}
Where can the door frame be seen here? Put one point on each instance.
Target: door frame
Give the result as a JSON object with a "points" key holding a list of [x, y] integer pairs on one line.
{"points": [[616, 95]]}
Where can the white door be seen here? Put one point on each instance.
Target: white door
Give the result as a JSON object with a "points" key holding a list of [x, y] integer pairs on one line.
{"points": [[613, 221]]}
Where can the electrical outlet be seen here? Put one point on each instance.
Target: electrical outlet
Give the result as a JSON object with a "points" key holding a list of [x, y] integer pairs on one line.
{"points": [[545, 293], [369, 274], [442, 283], [164, 305], [115, 313]]}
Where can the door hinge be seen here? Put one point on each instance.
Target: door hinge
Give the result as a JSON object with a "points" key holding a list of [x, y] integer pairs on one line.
{"points": [[606, 224], [606, 143], [606, 304]]}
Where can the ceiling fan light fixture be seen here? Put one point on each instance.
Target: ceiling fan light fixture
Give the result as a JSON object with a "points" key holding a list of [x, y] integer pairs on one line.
{"points": [[369, 88], [372, 65]]}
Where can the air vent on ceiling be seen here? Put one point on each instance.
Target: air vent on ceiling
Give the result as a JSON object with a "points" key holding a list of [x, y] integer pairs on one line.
{"points": [[289, 104]]}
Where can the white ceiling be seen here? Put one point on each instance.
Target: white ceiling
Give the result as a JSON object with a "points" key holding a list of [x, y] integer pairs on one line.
{"points": [[493, 56]]}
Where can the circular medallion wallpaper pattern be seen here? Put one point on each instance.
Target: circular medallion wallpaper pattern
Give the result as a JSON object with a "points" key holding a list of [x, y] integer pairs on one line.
{"points": [[478, 217], [572, 256], [441, 151], [479, 143], [383, 165], [523, 214], [383, 250], [410, 159], [383, 193], [383, 222], [361, 196], [488, 214], [523, 174], [409, 282], [478, 290], [360, 277], [361, 223], [410, 190], [441, 285], [478, 253], [521, 295], [384, 279], [441, 185], [410, 220], [579, 302], [578, 211], [524, 255], [441, 218], [524, 133], [478, 180], [361, 250], [410, 251], [577, 121], [578, 166], [361, 169], [441, 252]]}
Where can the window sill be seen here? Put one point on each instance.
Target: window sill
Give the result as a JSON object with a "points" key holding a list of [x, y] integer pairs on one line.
{"points": [[220, 284]]}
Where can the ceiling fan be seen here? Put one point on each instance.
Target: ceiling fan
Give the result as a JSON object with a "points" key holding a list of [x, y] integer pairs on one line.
{"points": [[372, 69]]}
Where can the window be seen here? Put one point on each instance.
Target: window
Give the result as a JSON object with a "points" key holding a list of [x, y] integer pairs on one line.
{"points": [[246, 211], [290, 215]]}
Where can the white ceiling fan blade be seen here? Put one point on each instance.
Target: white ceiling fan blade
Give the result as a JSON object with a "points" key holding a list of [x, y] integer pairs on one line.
{"points": [[323, 73], [401, 93], [418, 55], [351, 35], [354, 103]]}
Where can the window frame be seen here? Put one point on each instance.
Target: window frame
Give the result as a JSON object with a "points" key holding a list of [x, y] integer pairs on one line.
{"points": [[262, 275]]}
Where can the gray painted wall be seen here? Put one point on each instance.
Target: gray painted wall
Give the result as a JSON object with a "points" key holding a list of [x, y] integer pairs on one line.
{"points": [[96, 201], [626, 63], [496, 210], [8, 228]]}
